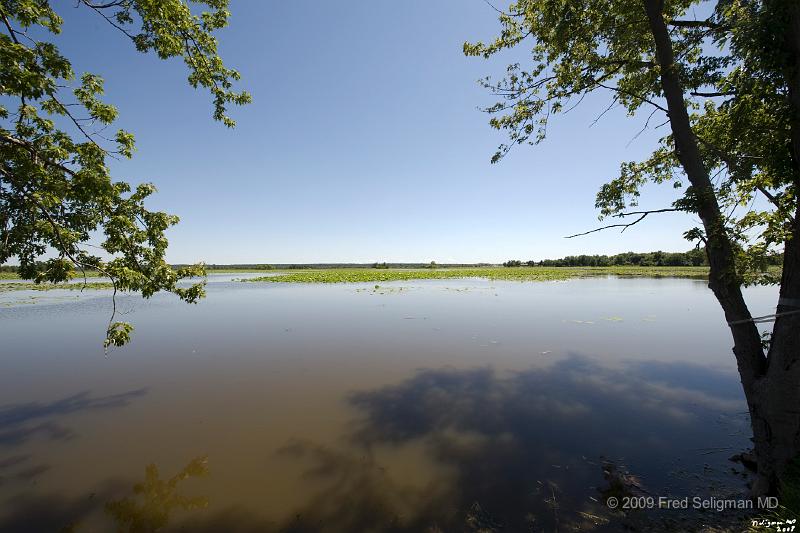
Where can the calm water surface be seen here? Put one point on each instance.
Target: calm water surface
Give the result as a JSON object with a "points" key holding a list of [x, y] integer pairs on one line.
{"points": [[453, 404]]}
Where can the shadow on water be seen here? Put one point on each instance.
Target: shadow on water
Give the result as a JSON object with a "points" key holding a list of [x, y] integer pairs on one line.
{"points": [[527, 446], [534, 450], [19, 422]]}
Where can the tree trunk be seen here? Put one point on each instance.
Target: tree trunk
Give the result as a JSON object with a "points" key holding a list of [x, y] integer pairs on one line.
{"points": [[772, 390], [780, 393]]}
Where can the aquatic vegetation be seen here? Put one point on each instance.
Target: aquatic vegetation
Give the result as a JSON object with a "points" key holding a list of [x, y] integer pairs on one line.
{"points": [[369, 275], [381, 290]]}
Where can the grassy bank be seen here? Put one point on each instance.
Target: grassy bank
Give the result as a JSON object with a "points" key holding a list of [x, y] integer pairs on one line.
{"points": [[364, 275], [25, 286], [14, 275]]}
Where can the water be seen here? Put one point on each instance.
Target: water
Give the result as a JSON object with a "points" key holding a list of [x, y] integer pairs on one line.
{"points": [[455, 404]]}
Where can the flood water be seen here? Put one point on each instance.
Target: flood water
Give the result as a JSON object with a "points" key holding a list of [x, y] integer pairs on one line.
{"points": [[449, 405]]}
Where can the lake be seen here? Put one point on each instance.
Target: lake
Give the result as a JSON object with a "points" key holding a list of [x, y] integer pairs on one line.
{"points": [[449, 405]]}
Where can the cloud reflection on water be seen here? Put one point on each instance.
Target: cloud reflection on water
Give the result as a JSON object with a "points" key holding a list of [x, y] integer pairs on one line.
{"points": [[515, 449]]}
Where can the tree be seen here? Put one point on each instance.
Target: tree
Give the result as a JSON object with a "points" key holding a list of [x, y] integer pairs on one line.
{"points": [[728, 85], [55, 186]]}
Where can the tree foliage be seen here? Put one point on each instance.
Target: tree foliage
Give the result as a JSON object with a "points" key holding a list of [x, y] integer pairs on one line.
{"points": [[56, 190], [730, 66]]}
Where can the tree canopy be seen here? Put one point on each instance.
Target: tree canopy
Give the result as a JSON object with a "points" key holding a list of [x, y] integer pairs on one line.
{"points": [[731, 69], [56, 190]]}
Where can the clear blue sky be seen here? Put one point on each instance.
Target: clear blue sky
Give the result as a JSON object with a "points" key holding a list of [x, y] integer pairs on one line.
{"points": [[363, 143]]}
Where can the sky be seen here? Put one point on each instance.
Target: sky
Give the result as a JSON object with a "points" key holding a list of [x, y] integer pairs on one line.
{"points": [[364, 142]]}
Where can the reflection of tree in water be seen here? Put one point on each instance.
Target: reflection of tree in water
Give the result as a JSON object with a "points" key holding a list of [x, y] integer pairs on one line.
{"points": [[150, 507], [518, 452], [523, 451], [356, 494], [20, 422], [527, 446], [523, 443], [154, 500]]}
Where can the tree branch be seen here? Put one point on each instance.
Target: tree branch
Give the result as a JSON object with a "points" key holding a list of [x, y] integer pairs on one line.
{"points": [[707, 24], [34, 153], [104, 6], [632, 95], [98, 8], [628, 225], [772, 198], [712, 94]]}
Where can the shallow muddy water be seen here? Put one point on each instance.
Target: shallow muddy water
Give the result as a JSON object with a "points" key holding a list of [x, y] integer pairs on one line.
{"points": [[454, 404]]}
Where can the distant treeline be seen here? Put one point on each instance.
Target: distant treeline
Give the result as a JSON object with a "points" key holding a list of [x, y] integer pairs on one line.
{"points": [[694, 257], [234, 267]]}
